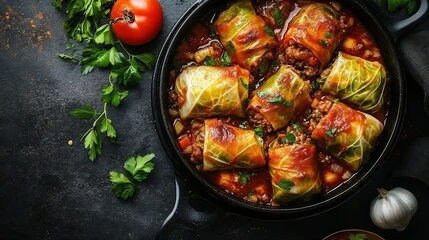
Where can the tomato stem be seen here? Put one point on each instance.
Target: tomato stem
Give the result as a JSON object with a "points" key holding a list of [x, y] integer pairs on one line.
{"points": [[127, 16]]}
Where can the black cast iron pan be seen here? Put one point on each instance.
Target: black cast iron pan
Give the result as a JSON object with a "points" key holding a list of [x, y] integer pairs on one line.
{"points": [[198, 201]]}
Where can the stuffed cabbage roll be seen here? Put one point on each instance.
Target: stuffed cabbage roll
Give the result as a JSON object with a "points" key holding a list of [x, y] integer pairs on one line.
{"points": [[227, 147], [294, 172], [281, 97], [357, 81], [205, 91], [312, 37], [347, 134], [245, 35]]}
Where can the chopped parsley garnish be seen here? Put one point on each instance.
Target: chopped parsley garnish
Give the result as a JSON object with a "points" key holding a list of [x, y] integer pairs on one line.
{"points": [[335, 100], [259, 131], [244, 177], [263, 68], [251, 193], [331, 132], [230, 47], [209, 61], [279, 18], [245, 85], [327, 35], [281, 100], [225, 59], [315, 85], [262, 94], [358, 236], [297, 126], [324, 43], [289, 139], [286, 184], [243, 125], [269, 31]]}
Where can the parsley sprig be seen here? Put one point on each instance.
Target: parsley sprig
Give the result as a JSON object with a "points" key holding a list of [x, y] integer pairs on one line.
{"points": [[139, 167], [87, 22]]}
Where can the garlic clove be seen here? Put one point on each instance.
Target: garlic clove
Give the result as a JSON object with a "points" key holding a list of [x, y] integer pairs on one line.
{"points": [[393, 209]]}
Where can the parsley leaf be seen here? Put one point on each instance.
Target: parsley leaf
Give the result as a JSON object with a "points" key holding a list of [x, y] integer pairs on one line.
{"points": [[279, 18], [262, 94], [92, 143], [289, 139], [297, 126], [86, 112], [106, 127], [358, 236], [225, 59], [230, 47], [315, 85], [281, 100], [243, 125], [335, 100], [103, 35], [324, 43], [327, 35], [147, 59], [331, 132], [95, 56], [122, 188], [140, 166], [112, 96], [286, 184], [269, 31], [259, 131], [67, 57], [244, 177], [209, 61]]}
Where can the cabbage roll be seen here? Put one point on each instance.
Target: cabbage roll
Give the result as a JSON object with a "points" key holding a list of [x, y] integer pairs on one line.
{"points": [[312, 37], [294, 172], [357, 81], [205, 91], [347, 134], [245, 35], [227, 147], [281, 97]]}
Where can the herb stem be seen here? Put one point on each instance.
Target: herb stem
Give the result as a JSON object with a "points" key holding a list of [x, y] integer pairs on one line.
{"points": [[99, 117], [125, 50], [86, 133]]}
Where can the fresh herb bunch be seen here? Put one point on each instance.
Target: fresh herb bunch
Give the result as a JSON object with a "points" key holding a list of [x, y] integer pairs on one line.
{"points": [[88, 23]]}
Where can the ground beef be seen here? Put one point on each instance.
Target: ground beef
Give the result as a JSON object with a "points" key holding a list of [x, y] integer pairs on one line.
{"points": [[258, 120], [297, 129], [198, 147], [298, 56], [320, 107]]}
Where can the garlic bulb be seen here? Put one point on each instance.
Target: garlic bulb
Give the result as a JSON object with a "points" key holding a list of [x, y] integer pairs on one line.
{"points": [[393, 209]]}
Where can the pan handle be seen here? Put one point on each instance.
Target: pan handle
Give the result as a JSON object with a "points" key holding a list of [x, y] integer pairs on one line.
{"points": [[191, 213], [398, 28]]}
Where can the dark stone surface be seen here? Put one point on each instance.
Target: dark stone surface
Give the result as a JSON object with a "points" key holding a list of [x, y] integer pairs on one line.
{"points": [[50, 190]]}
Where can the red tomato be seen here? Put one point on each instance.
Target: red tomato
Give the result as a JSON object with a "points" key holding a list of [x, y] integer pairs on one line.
{"points": [[184, 142], [136, 22]]}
